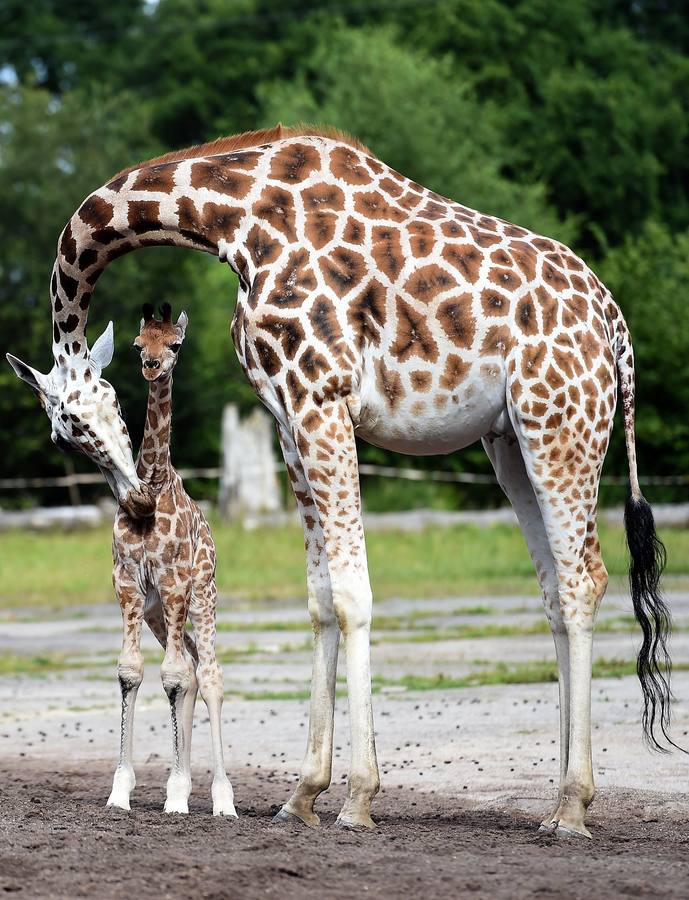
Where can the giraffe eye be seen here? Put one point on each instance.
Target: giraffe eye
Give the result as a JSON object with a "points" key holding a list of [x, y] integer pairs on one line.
{"points": [[175, 347], [136, 348]]}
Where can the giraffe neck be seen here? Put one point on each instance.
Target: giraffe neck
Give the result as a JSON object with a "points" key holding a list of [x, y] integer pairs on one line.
{"points": [[153, 465], [199, 203]]}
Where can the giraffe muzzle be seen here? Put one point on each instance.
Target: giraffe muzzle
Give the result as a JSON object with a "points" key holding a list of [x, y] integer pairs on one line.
{"points": [[139, 504]]}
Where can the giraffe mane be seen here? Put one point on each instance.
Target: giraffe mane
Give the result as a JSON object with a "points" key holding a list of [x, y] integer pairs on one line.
{"points": [[249, 139]]}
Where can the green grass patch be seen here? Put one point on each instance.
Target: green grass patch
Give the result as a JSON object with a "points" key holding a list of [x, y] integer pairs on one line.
{"points": [[41, 663], [56, 570], [263, 626], [504, 673], [537, 672], [421, 634]]}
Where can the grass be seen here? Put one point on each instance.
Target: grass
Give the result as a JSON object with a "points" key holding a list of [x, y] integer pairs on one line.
{"points": [[56, 570], [537, 672], [41, 664]]}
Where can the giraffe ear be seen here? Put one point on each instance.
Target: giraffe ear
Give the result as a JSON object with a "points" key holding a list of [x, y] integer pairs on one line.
{"points": [[182, 322], [36, 381], [103, 349]]}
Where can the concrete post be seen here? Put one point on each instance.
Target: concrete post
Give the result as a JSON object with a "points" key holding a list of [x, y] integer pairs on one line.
{"points": [[249, 484]]}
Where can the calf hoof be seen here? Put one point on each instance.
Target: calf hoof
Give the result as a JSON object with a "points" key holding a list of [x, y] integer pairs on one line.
{"points": [[223, 798], [118, 801], [123, 784], [176, 805]]}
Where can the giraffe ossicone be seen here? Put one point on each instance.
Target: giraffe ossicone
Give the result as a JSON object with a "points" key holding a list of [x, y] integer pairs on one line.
{"points": [[369, 305], [164, 574]]}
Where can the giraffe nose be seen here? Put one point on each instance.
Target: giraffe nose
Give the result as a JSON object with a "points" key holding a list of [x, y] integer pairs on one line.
{"points": [[152, 364]]}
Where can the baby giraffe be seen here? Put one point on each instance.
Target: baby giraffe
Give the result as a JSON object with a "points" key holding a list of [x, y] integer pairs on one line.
{"points": [[164, 571]]}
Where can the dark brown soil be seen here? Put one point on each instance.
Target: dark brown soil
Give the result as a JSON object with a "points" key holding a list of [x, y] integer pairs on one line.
{"points": [[58, 841]]}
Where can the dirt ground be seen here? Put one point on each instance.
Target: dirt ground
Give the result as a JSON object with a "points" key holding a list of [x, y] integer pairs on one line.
{"points": [[467, 773], [58, 841]]}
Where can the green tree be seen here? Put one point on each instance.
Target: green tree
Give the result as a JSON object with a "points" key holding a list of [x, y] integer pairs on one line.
{"points": [[415, 113], [52, 154], [648, 275]]}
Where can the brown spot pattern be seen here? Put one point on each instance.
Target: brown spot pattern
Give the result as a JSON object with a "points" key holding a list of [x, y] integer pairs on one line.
{"points": [[413, 336]]}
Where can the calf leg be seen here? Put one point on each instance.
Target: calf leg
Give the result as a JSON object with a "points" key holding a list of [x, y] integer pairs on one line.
{"points": [[130, 671], [202, 613], [179, 681]]}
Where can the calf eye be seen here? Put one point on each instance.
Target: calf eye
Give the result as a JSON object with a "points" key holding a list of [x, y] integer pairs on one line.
{"points": [[175, 347]]}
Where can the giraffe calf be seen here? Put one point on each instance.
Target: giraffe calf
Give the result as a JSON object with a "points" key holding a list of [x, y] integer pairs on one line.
{"points": [[164, 573]]}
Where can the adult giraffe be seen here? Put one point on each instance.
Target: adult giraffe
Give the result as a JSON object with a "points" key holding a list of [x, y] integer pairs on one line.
{"points": [[371, 306]]}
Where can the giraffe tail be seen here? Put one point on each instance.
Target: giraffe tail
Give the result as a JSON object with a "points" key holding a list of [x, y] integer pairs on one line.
{"points": [[647, 561]]}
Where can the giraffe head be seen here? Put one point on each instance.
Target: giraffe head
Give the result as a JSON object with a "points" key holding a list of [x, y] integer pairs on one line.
{"points": [[159, 341], [85, 415]]}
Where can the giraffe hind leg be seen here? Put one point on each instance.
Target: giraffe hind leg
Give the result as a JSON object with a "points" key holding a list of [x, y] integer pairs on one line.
{"points": [[563, 455], [508, 462], [202, 612]]}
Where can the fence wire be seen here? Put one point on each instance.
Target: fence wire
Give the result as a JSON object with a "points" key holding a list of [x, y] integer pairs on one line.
{"points": [[405, 473]]}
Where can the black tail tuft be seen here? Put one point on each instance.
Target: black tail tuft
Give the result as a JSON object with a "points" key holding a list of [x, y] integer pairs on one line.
{"points": [[653, 664]]}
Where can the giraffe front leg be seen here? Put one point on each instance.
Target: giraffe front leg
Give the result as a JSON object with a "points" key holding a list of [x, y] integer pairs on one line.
{"points": [[327, 450], [353, 607], [179, 679], [130, 672], [316, 769]]}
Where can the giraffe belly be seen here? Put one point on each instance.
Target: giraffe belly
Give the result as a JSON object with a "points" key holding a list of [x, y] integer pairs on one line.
{"points": [[438, 421]]}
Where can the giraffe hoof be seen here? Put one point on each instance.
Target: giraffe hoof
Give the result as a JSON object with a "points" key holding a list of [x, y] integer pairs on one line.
{"points": [[285, 816], [176, 806], [547, 827], [119, 798], [572, 831], [223, 800], [229, 812], [363, 824]]}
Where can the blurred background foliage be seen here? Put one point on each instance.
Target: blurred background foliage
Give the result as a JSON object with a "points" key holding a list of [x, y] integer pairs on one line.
{"points": [[571, 118]]}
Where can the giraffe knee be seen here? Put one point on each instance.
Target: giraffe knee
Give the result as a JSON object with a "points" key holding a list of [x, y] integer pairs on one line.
{"points": [[352, 606], [210, 680], [176, 675], [600, 579], [579, 604], [130, 671], [321, 610]]}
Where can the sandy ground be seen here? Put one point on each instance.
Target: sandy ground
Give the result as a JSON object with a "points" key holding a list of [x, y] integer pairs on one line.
{"points": [[467, 773]]}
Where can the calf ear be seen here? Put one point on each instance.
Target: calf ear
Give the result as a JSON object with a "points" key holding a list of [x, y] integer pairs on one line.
{"points": [[182, 322], [102, 351], [34, 379]]}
